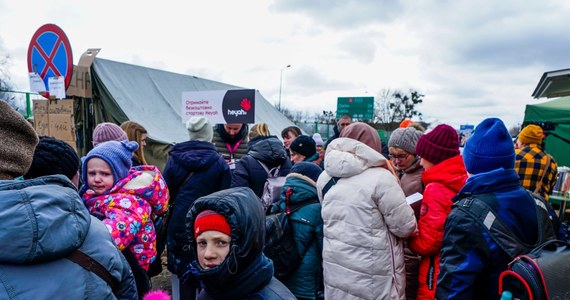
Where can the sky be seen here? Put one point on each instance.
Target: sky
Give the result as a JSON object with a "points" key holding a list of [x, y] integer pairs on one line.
{"points": [[471, 59]]}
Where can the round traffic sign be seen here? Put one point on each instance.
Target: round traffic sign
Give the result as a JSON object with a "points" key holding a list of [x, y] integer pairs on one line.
{"points": [[49, 54]]}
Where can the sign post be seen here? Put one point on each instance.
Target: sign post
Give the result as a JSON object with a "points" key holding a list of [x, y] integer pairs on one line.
{"points": [[359, 108], [49, 55]]}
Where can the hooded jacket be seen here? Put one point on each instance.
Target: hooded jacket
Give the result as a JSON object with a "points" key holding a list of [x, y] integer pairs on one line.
{"points": [[365, 215], [128, 209], [42, 220], [250, 173], [210, 173], [245, 273], [470, 260], [307, 226], [442, 181]]}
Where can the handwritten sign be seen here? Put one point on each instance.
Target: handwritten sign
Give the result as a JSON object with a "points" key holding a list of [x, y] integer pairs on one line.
{"points": [[56, 86], [36, 83], [55, 118]]}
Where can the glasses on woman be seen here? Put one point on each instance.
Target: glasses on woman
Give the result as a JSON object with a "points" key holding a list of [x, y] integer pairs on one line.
{"points": [[398, 156]]}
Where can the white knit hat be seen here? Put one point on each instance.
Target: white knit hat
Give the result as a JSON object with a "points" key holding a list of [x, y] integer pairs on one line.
{"points": [[318, 139], [199, 129]]}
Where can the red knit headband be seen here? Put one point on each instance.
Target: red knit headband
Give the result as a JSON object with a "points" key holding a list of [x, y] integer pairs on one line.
{"points": [[210, 220]]}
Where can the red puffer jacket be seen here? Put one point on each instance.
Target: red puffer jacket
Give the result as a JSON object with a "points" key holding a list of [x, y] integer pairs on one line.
{"points": [[442, 181]]}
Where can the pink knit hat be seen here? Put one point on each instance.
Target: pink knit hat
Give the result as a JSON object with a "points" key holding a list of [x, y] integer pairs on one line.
{"points": [[108, 132]]}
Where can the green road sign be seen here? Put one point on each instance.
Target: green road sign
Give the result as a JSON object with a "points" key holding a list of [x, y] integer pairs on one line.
{"points": [[361, 108]]}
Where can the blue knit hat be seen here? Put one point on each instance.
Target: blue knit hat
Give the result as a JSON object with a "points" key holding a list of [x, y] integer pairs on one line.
{"points": [[489, 148], [117, 155], [308, 169]]}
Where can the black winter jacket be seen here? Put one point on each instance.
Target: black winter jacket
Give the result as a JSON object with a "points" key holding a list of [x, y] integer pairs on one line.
{"points": [[250, 173], [246, 273]]}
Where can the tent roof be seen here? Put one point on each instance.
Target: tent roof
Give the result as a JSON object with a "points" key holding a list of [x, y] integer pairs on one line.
{"points": [[153, 98], [553, 84], [556, 111]]}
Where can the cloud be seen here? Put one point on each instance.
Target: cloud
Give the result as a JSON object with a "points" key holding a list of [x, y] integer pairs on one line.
{"points": [[361, 47], [342, 13]]}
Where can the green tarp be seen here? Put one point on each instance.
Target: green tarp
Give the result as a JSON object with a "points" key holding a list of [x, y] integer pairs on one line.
{"points": [[554, 117]]}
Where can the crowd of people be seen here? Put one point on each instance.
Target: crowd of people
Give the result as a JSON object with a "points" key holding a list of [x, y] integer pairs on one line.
{"points": [[89, 228]]}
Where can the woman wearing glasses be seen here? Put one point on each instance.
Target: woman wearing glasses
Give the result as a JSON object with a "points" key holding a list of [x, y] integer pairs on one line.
{"points": [[402, 149]]}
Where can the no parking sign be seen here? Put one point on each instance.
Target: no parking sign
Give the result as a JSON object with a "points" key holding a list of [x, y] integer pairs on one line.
{"points": [[49, 55]]}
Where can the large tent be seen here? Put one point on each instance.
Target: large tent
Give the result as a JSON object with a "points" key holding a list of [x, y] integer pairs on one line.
{"points": [[554, 117], [152, 98]]}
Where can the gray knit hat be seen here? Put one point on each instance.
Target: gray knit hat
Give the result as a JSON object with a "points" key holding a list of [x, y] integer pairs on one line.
{"points": [[107, 131], [19, 141], [405, 139], [199, 129]]}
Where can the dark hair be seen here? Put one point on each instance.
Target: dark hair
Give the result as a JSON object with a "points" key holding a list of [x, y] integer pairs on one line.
{"points": [[294, 129]]}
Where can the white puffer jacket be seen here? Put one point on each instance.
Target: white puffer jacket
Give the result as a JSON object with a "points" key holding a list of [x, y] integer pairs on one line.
{"points": [[365, 216]]}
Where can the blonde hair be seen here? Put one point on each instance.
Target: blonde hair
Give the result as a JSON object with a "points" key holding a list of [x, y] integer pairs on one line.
{"points": [[134, 132], [259, 129]]}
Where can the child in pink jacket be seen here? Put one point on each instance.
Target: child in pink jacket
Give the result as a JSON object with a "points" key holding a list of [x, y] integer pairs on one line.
{"points": [[126, 199]]}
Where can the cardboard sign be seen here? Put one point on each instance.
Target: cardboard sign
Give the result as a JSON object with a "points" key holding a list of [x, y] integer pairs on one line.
{"points": [[55, 118], [220, 107], [41, 121], [80, 84]]}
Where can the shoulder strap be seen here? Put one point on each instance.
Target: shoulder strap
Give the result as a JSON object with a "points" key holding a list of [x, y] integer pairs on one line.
{"points": [[479, 210], [94, 266], [329, 185], [270, 173], [499, 232]]}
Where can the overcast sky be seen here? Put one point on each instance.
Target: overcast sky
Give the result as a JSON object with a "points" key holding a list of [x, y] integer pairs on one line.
{"points": [[471, 59]]}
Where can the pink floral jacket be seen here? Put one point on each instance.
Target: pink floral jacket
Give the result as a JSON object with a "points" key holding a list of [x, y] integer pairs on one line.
{"points": [[128, 209]]}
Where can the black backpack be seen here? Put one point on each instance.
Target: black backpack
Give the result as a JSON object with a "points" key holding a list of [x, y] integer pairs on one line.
{"points": [[280, 245], [538, 271]]}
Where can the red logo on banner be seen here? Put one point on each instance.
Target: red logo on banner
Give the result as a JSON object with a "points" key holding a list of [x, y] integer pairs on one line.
{"points": [[245, 104]]}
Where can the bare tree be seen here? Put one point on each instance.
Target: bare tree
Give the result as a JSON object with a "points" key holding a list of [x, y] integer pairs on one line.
{"points": [[393, 107], [5, 84]]}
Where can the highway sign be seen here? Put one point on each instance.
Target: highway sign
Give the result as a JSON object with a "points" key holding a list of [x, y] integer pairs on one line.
{"points": [[49, 54], [360, 108]]}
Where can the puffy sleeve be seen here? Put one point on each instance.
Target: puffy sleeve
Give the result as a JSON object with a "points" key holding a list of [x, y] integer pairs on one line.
{"points": [[391, 201], [436, 205]]}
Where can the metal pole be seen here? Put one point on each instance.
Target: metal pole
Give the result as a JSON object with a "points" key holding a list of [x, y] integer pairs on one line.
{"points": [[28, 106], [28, 101], [281, 84]]}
